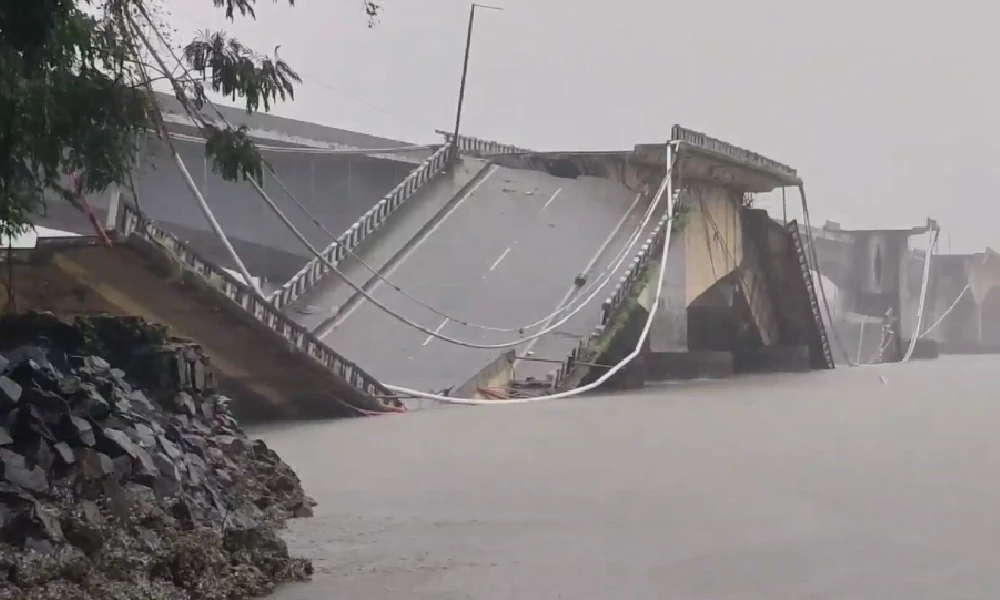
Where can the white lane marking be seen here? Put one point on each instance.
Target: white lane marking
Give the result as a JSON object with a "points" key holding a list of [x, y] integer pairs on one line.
{"points": [[553, 197], [527, 350], [514, 243], [497, 262], [386, 274], [438, 330]]}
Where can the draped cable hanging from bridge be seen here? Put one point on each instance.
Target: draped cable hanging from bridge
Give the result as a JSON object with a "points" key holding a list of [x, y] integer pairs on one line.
{"points": [[199, 198], [923, 297], [542, 332], [947, 312], [319, 255], [599, 283], [819, 277], [612, 266], [666, 187]]}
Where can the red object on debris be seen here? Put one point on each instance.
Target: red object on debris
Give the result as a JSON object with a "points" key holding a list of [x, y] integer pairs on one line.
{"points": [[83, 205]]}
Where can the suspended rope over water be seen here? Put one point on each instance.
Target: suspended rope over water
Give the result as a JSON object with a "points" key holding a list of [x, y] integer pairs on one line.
{"points": [[923, 295], [666, 187], [365, 294], [600, 282], [428, 330]]}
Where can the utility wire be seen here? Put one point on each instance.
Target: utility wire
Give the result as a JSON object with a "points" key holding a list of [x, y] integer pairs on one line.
{"points": [[379, 275], [381, 306]]}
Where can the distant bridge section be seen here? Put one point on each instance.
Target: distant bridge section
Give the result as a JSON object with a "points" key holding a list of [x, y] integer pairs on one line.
{"points": [[338, 175]]}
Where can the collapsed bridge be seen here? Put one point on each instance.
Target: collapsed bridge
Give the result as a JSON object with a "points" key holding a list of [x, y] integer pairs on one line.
{"points": [[479, 241]]}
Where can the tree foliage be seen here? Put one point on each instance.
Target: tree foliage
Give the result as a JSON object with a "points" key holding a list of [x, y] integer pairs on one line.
{"points": [[76, 95]]}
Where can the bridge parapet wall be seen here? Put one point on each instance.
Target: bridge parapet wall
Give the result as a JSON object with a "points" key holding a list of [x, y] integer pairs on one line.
{"points": [[315, 269]]}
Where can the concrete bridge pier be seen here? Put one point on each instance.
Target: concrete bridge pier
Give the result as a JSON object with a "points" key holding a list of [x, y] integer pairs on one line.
{"points": [[872, 279], [721, 303]]}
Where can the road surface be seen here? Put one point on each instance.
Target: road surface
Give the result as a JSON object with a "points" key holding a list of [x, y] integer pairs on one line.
{"points": [[503, 257], [319, 304]]}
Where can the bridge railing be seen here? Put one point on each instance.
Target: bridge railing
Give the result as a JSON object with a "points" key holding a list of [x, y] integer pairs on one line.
{"points": [[649, 251], [315, 269], [476, 145], [131, 223]]}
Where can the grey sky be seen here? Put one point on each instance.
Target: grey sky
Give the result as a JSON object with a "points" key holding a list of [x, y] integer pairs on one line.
{"points": [[886, 108]]}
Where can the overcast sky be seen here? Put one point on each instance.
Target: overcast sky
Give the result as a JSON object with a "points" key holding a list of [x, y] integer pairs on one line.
{"points": [[887, 109]]}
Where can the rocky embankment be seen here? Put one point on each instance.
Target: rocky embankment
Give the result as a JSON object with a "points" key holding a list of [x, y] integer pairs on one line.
{"points": [[123, 475]]}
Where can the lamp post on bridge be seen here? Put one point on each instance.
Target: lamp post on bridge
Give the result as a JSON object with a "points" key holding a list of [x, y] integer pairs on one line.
{"points": [[465, 72]]}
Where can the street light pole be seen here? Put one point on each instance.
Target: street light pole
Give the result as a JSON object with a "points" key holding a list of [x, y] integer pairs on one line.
{"points": [[465, 73]]}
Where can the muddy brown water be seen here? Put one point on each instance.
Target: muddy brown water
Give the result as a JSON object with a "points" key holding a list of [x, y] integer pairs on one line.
{"points": [[830, 485]]}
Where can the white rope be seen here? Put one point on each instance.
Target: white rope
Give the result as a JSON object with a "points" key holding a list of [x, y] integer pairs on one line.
{"points": [[665, 186], [947, 312], [199, 198], [602, 279], [607, 272], [923, 296], [600, 283]]}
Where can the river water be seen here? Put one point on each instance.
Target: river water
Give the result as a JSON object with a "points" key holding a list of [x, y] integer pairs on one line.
{"points": [[856, 483]]}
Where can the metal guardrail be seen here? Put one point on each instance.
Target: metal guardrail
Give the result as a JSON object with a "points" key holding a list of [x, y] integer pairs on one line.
{"points": [[365, 226], [799, 253], [480, 146], [653, 245], [609, 308], [133, 224], [735, 153]]}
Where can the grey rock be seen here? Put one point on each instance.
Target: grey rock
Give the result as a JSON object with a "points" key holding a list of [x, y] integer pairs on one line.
{"points": [[123, 467], [114, 442], [16, 471], [215, 456], [94, 464], [123, 484], [41, 546], [84, 529], [119, 377], [167, 467], [97, 363], [139, 399], [93, 404], [26, 423], [144, 436], [184, 404], [10, 391], [195, 443], [142, 467], [39, 453], [80, 431], [170, 448], [64, 454], [47, 522], [70, 385], [207, 410], [230, 443], [198, 375]]}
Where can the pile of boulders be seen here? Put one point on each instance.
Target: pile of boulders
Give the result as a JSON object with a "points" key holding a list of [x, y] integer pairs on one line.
{"points": [[124, 475]]}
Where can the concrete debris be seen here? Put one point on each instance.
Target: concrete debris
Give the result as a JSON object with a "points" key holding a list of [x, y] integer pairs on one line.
{"points": [[124, 475]]}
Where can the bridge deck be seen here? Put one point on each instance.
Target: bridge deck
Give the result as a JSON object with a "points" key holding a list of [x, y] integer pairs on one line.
{"points": [[270, 367], [505, 256], [316, 306]]}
